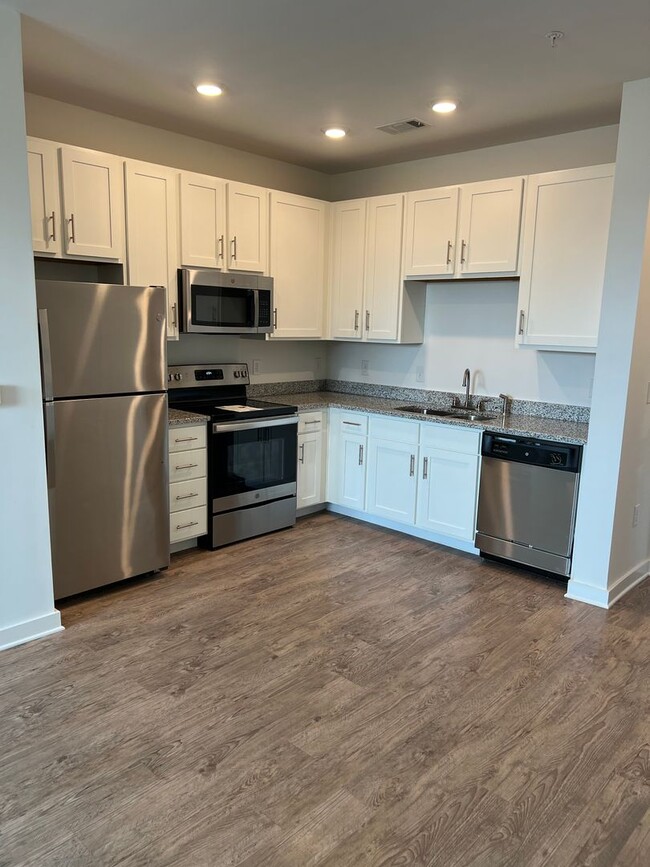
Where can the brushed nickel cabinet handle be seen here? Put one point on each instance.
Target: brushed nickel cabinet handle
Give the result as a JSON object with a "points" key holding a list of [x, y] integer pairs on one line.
{"points": [[425, 468], [449, 249], [522, 320], [353, 423], [463, 252], [360, 456], [185, 439], [186, 466], [412, 466], [220, 248], [174, 315], [186, 496], [72, 232], [184, 526], [52, 217], [316, 421], [367, 320], [234, 247], [356, 320], [302, 453]]}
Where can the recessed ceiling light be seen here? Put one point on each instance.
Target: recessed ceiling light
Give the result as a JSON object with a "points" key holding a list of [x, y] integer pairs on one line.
{"points": [[209, 89], [335, 132], [444, 106]]}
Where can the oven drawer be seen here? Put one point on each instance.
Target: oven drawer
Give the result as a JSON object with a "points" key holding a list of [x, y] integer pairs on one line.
{"points": [[183, 438], [187, 495], [188, 524], [187, 465]]}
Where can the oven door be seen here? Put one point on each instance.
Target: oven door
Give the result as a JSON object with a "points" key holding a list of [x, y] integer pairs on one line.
{"points": [[217, 309], [253, 462]]}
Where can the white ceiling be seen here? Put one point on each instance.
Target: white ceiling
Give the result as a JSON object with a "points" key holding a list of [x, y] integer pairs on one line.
{"points": [[290, 67]]}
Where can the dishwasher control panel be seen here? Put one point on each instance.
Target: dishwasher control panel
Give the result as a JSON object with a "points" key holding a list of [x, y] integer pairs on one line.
{"points": [[557, 456]]}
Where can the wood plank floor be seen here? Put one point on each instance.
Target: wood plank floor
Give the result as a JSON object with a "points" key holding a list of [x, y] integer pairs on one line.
{"points": [[336, 694]]}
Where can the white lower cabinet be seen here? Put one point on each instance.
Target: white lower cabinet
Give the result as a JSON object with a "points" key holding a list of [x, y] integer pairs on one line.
{"points": [[421, 475], [188, 483], [311, 469]]}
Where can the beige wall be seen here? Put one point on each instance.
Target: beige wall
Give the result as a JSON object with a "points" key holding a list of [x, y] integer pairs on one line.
{"points": [[589, 147], [70, 124]]}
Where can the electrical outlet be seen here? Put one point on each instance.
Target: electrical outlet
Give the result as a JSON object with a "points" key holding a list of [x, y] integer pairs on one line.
{"points": [[256, 366], [635, 515], [419, 374], [364, 367]]}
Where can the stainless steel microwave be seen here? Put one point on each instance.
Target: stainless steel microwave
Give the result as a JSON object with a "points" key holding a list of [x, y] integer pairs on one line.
{"points": [[212, 302]]}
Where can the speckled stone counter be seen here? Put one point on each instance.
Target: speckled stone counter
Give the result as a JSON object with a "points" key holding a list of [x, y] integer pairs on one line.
{"points": [[520, 425], [180, 418]]}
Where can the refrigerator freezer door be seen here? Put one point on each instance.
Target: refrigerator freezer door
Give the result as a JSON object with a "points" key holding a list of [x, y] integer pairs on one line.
{"points": [[98, 338], [108, 490]]}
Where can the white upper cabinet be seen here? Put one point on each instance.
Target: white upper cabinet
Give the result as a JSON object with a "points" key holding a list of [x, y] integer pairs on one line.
{"points": [[248, 228], [467, 231], [93, 203], [347, 268], [44, 198], [383, 267], [563, 258], [152, 231], [203, 221], [298, 265], [489, 227], [431, 224]]}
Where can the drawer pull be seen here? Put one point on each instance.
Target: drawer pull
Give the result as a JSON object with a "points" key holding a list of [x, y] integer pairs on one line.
{"points": [[185, 439], [186, 466], [353, 423], [316, 421], [185, 526], [186, 496]]}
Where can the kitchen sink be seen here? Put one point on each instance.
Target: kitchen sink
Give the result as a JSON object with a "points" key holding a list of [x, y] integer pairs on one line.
{"points": [[457, 412]]}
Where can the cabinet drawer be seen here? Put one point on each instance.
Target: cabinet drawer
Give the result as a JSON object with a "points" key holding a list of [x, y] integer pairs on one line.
{"points": [[187, 465], [353, 423], [188, 524], [397, 429], [310, 422], [190, 437], [450, 438], [185, 495]]}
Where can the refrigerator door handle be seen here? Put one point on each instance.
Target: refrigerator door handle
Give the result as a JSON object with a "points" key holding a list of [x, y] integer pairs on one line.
{"points": [[50, 445], [46, 353]]}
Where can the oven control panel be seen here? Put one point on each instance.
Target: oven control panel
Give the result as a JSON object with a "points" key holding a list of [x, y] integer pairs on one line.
{"points": [[198, 375]]}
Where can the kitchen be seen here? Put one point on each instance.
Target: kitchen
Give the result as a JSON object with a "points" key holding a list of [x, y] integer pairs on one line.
{"points": [[388, 322]]}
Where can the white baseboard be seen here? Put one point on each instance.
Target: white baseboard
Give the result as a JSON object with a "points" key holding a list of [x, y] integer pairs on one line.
{"points": [[606, 597], [407, 529], [39, 627]]}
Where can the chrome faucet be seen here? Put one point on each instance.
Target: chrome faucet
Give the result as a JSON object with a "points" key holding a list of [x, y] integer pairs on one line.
{"points": [[467, 380]]}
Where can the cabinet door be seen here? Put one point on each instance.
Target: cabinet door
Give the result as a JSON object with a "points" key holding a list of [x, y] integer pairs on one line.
{"points": [[298, 265], [563, 257], [348, 257], [348, 469], [383, 267], [392, 481], [93, 199], [248, 228], [203, 221], [310, 469], [152, 231], [44, 199], [489, 227], [447, 492], [431, 222]]}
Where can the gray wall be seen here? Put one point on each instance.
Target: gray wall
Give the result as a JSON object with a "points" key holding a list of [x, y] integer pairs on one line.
{"points": [[26, 595]]}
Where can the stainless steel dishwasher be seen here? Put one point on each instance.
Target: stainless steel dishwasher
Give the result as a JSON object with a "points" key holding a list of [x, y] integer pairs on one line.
{"points": [[527, 501]]}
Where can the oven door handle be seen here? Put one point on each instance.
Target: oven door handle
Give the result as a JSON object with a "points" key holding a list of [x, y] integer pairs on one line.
{"points": [[227, 427]]}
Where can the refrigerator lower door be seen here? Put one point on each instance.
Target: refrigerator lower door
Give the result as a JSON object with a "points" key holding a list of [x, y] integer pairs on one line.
{"points": [[109, 495]]}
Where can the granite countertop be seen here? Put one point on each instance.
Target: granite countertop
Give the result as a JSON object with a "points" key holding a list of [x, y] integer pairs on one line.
{"points": [[520, 425], [180, 418]]}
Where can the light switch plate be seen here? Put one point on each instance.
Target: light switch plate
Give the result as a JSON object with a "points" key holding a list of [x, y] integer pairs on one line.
{"points": [[364, 367], [256, 366]]}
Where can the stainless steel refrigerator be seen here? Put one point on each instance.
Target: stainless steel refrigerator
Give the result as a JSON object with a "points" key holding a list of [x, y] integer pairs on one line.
{"points": [[103, 360]]}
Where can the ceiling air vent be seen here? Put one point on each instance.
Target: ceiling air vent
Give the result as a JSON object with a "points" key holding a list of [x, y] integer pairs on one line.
{"points": [[401, 126]]}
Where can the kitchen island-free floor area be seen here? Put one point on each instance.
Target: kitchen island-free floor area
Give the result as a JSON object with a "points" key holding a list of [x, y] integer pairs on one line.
{"points": [[336, 694]]}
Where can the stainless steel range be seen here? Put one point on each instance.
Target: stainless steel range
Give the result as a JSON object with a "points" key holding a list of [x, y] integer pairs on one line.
{"points": [[252, 451]]}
